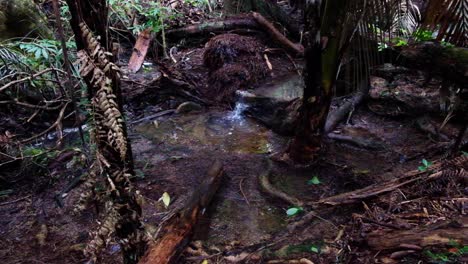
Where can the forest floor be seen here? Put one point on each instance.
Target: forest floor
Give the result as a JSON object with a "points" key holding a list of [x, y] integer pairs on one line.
{"points": [[173, 153]]}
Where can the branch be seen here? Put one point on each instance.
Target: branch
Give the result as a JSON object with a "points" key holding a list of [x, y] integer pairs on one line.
{"points": [[8, 85]]}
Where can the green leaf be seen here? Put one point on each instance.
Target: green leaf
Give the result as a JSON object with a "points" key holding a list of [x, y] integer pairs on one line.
{"points": [[422, 168], [425, 162], [465, 153], [314, 249], [37, 54], [45, 54], [166, 199], [314, 181], [294, 211]]}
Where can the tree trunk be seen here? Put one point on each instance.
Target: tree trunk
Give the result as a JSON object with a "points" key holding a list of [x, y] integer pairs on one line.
{"points": [[322, 61], [113, 147]]}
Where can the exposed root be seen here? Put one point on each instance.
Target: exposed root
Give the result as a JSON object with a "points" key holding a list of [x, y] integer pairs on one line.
{"points": [[267, 187], [335, 117]]}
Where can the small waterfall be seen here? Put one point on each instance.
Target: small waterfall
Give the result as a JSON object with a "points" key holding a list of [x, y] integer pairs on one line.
{"points": [[236, 114]]}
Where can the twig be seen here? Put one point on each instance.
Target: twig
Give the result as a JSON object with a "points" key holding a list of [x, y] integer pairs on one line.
{"points": [[15, 201], [48, 108], [242, 191], [56, 123], [8, 85]]}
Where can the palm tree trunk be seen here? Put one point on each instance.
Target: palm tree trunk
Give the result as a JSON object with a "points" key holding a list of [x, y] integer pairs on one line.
{"points": [[322, 60]]}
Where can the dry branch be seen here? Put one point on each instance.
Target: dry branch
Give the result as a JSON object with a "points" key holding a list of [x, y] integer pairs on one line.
{"points": [[296, 49], [179, 228], [438, 170], [25, 79]]}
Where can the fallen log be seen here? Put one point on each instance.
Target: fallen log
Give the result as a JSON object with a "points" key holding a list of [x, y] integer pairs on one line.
{"points": [[176, 234], [140, 50], [296, 49], [244, 21], [421, 236], [251, 21], [449, 62]]}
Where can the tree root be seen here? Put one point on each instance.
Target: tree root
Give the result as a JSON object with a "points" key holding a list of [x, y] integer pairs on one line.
{"points": [[366, 143], [335, 117], [268, 188]]}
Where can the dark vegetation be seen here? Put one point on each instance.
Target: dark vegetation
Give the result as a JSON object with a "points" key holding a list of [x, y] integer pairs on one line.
{"points": [[209, 131]]}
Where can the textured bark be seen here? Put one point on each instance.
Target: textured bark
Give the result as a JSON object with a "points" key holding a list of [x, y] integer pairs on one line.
{"points": [[89, 20], [422, 237], [179, 228], [316, 101]]}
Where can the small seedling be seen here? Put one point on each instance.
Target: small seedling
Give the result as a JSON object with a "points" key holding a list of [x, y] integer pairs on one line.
{"points": [[465, 153], [315, 249], [314, 181], [294, 211], [425, 166]]}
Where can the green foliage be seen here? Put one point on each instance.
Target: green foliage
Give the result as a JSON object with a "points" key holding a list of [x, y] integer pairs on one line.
{"points": [[425, 165], [400, 42], [153, 15], [450, 256], [382, 46], [43, 53], [314, 181], [294, 211], [315, 249], [423, 35], [39, 156]]}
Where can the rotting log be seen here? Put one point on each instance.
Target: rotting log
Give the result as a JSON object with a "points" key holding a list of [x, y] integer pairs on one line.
{"points": [[176, 234], [451, 63], [139, 51], [421, 236]]}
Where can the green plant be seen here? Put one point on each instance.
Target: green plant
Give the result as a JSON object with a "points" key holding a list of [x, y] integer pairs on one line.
{"points": [[400, 42], [294, 211], [314, 181], [451, 255], [423, 35], [425, 165]]}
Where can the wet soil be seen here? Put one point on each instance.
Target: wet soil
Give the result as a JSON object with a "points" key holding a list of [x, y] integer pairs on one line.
{"points": [[173, 153]]}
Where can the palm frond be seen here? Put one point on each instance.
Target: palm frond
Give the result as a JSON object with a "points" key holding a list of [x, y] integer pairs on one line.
{"points": [[11, 61], [449, 18]]}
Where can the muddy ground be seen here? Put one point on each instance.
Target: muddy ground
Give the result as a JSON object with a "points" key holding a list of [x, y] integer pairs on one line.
{"points": [[173, 153]]}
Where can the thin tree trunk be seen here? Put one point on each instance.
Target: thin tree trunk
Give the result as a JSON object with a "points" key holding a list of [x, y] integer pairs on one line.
{"points": [[322, 61], [89, 19]]}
